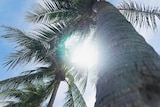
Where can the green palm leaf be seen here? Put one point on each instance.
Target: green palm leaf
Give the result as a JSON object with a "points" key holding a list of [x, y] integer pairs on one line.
{"points": [[19, 37], [39, 46], [76, 18], [49, 32], [51, 11], [28, 48], [139, 14], [74, 97], [30, 76], [31, 95], [80, 77]]}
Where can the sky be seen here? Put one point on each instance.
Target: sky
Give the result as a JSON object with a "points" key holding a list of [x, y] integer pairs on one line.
{"points": [[12, 14]]}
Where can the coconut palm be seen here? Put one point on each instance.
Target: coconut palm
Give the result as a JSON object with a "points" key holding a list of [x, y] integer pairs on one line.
{"points": [[129, 66], [43, 46]]}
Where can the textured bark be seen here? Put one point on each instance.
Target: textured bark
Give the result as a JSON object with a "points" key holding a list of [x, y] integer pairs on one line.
{"points": [[129, 74]]}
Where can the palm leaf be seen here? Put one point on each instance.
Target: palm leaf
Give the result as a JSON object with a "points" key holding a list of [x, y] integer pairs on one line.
{"points": [[10, 93], [29, 95], [39, 46], [48, 32], [9, 104], [69, 99], [77, 19], [32, 95], [19, 37], [74, 97], [28, 48], [80, 77], [31, 76], [51, 11], [84, 5], [139, 14]]}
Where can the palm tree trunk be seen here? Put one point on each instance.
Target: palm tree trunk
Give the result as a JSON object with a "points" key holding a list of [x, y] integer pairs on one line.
{"points": [[52, 99], [129, 74]]}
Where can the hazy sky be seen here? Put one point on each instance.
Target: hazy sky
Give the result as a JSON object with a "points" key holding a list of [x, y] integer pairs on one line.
{"points": [[12, 14]]}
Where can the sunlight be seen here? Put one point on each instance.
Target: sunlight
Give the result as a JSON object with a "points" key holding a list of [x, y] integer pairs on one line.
{"points": [[83, 54]]}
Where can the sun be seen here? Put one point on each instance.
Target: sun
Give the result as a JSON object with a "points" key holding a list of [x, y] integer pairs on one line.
{"points": [[84, 55]]}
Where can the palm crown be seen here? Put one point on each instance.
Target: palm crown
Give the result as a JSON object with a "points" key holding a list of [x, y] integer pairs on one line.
{"points": [[44, 47]]}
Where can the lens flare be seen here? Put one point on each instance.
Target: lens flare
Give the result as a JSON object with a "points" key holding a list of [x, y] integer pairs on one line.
{"points": [[84, 55]]}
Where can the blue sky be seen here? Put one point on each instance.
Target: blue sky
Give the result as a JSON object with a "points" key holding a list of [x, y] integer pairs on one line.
{"points": [[12, 14]]}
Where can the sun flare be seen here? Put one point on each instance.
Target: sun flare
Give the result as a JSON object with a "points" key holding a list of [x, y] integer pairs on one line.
{"points": [[84, 54]]}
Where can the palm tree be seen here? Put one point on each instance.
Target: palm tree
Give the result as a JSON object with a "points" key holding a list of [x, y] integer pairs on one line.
{"points": [[128, 73], [126, 57], [44, 46]]}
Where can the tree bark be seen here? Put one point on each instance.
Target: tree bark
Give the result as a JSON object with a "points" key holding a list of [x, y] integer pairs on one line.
{"points": [[53, 95], [129, 74]]}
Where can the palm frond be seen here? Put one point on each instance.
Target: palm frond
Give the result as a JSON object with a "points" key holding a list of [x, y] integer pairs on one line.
{"points": [[9, 103], [74, 97], [139, 14], [35, 94], [13, 104], [23, 56], [51, 11], [55, 36], [69, 99], [16, 93], [22, 39], [76, 20], [84, 5], [51, 34], [85, 27], [83, 81], [18, 36], [31, 76], [81, 24], [30, 47], [49, 88], [30, 95], [80, 77]]}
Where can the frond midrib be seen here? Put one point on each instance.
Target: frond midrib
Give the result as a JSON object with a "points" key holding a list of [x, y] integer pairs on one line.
{"points": [[57, 11], [139, 11]]}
